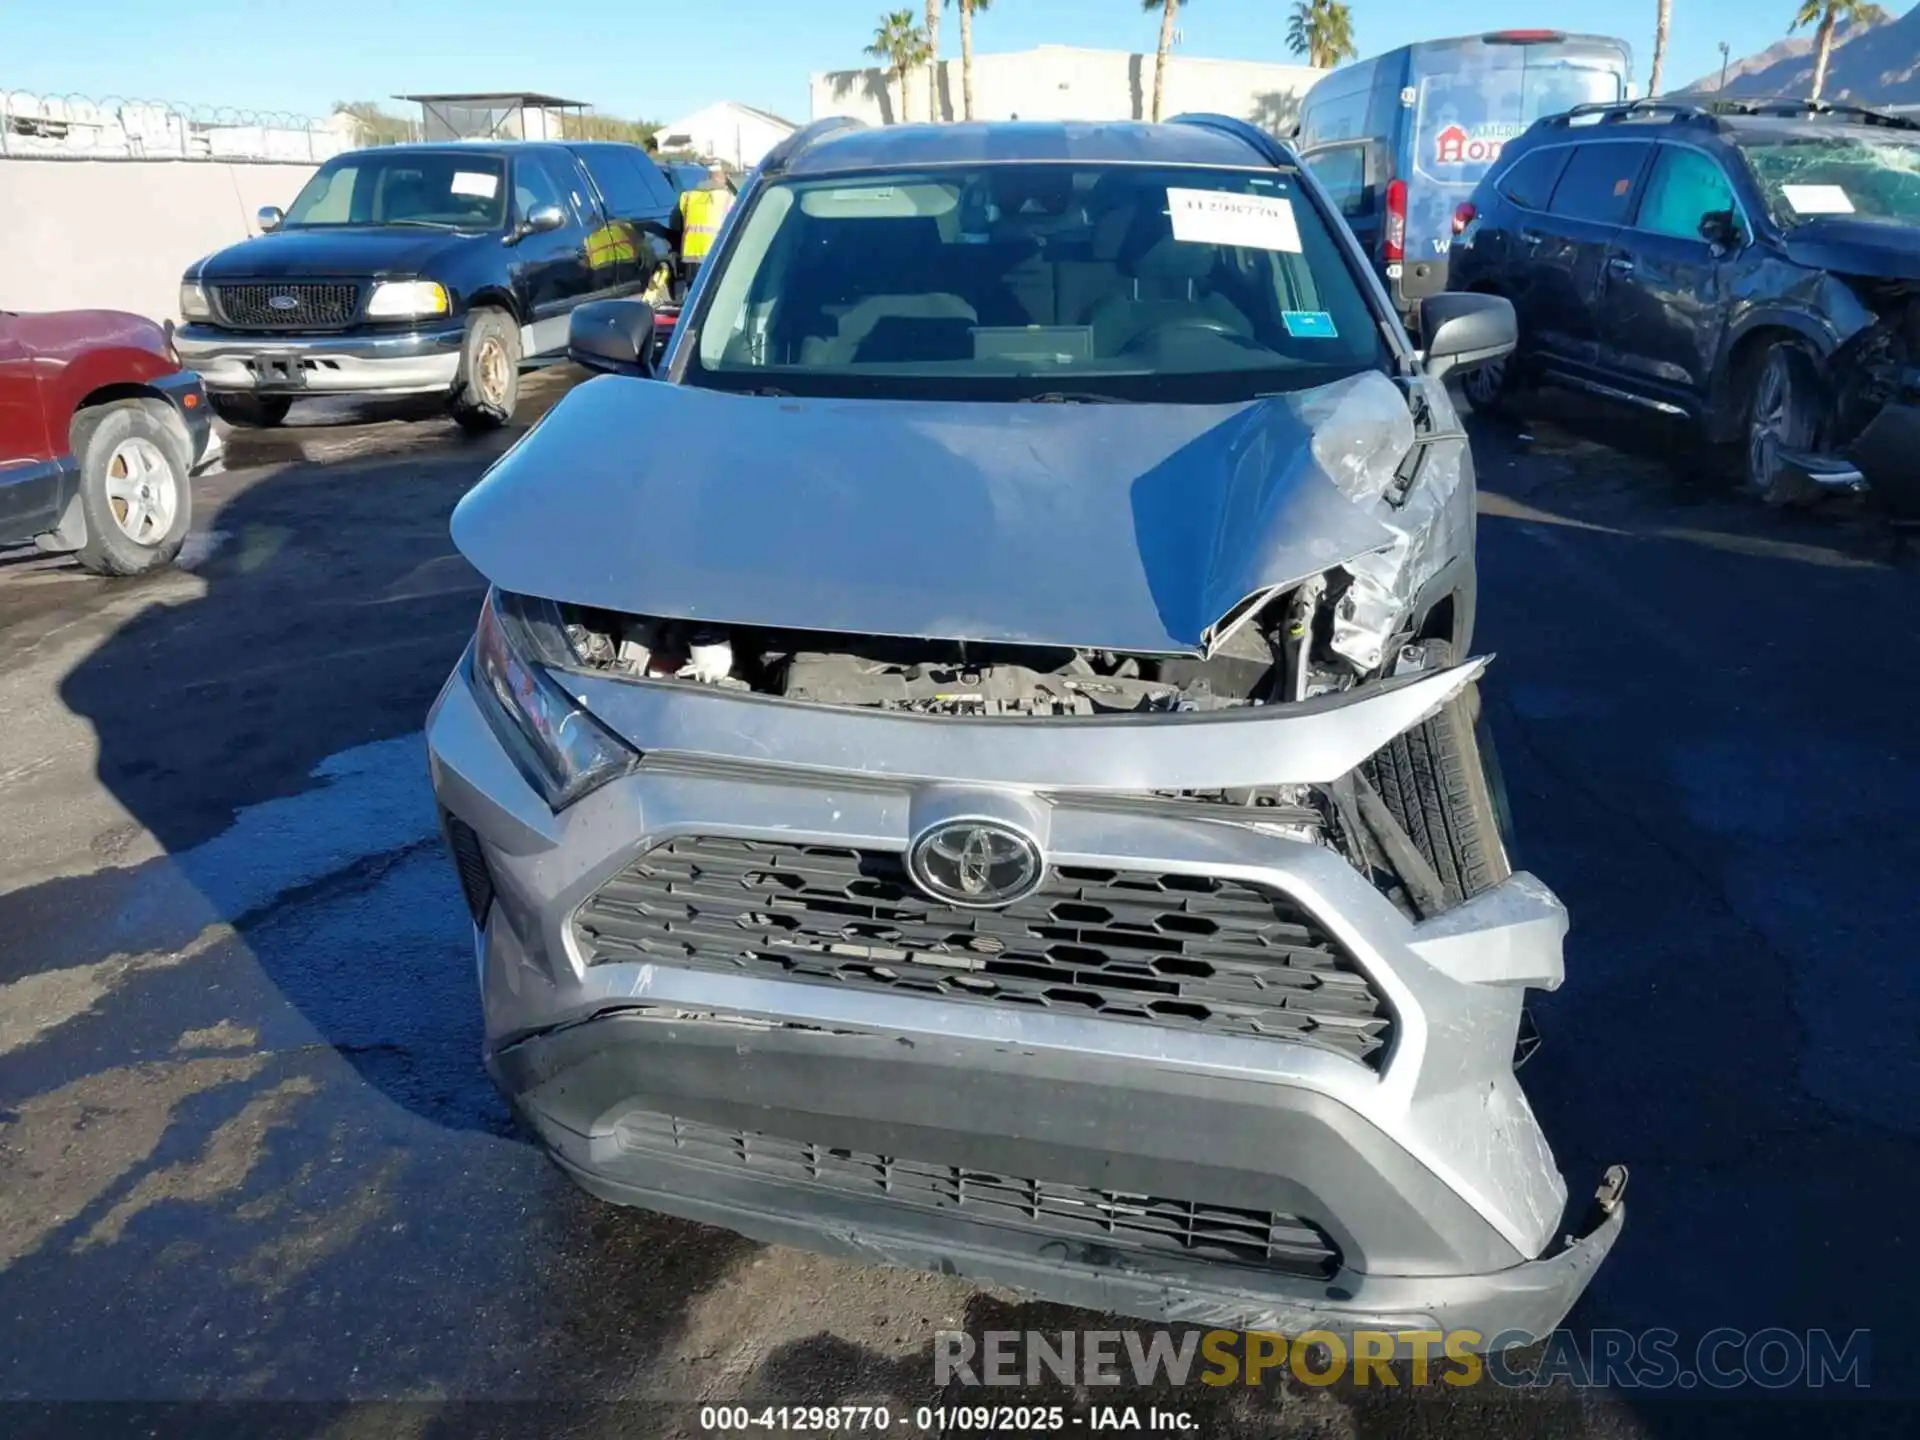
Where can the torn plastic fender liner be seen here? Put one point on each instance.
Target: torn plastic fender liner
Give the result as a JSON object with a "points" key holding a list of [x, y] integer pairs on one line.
{"points": [[1310, 742]]}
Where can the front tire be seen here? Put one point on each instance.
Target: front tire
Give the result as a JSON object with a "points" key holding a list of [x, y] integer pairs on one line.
{"points": [[1489, 387], [134, 491], [488, 385], [1782, 413], [1437, 783], [253, 412]]}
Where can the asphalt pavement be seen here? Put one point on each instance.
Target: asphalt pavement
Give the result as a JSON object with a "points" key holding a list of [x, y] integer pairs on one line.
{"points": [[247, 1152]]}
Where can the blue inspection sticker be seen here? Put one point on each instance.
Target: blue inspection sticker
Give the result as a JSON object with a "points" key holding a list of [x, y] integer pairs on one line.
{"points": [[1309, 324]]}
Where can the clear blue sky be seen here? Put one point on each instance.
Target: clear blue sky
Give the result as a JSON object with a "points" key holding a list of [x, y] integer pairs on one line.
{"points": [[658, 60]]}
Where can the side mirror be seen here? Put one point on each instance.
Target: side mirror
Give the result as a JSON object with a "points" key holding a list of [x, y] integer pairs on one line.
{"points": [[612, 336], [539, 221], [268, 218], [1721, 230], [1463, 331]]}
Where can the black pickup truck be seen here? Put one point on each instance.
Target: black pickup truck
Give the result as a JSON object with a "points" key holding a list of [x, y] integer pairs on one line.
{"points": [[423, 269]]}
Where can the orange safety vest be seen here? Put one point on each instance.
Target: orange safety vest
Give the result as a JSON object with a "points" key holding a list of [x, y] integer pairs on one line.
{"points": [[703, 210]]}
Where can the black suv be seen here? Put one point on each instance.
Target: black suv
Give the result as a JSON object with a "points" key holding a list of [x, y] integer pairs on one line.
{"points": [[1754, 268], [422, 269]]}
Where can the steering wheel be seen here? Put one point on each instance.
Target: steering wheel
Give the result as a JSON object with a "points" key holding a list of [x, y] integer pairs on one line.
{"points": [[1204, 323]]}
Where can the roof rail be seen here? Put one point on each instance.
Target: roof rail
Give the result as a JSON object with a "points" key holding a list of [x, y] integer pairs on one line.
{"points": [[1787, 107], [1612, 112], [1273, 151], [778, 158]]}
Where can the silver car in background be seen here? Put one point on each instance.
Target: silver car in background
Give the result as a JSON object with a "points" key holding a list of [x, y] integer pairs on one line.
{"points": [[976, 765]]}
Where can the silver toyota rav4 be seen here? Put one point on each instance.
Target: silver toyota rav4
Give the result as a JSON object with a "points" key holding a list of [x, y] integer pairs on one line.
{"points": [[974, 763]]}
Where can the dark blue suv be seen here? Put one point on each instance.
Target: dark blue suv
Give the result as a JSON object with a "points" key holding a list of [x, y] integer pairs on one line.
{"points": [[1753, 268], [424, 270]]}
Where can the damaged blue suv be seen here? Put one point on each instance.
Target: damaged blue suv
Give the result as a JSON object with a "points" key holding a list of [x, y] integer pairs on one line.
{"points": [[1002, 793]]}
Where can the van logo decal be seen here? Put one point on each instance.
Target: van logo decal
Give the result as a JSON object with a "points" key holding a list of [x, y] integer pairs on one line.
{"points": [[283, 302], [1457, 145]]}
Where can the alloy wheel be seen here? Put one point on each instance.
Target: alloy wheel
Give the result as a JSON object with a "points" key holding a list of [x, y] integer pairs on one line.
{"points": [[490, 371], [141, 491]]}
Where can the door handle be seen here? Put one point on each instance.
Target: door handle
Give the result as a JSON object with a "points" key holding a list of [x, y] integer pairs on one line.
{"points": [[1620, 265]]}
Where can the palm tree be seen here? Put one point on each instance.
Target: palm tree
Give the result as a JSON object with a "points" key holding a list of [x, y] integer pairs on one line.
{"points": [[1827, 14], [1168, 10], [968, 9], [1321, 30], [933, 59], [902, 45], [1662, 18]]}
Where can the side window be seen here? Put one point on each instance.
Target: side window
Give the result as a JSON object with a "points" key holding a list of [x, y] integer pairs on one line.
{"points": [[533, 187], [1597, 184], [1343, 171], [566, 172], [622, 181], [1684, 186], [1529, 183], [658, 186]]}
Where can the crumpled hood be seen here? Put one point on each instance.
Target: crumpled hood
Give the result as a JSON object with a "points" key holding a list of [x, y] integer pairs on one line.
{"points": [[1124, 527], [1856, 245]]}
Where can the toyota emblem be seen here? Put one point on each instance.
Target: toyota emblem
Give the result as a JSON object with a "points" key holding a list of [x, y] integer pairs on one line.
{"points": [[981, 864], [283, 302]]}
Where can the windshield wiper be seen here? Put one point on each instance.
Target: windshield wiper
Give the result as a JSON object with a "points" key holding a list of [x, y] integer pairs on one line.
{"points": [[1072, 397], [428, 224]]}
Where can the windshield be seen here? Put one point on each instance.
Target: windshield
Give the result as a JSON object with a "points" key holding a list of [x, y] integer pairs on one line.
{"points": [[1838, 175], [450, 191], [1035, 281]]}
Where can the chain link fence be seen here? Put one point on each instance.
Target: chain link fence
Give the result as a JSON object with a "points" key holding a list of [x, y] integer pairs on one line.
{"points": [[83, 127]]}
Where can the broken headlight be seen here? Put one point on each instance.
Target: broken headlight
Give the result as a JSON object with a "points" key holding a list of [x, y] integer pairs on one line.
{"points": [[561, 749]]}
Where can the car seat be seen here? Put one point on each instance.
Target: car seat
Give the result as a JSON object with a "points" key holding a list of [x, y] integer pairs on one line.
{"points": [[1163, 283]]}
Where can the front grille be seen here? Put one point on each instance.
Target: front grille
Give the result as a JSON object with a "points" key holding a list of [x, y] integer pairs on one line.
{"points": [[330, 305], [1186, 951], [1111, 1219]]}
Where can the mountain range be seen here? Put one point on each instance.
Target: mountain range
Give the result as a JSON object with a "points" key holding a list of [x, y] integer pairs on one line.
{"points": [[1871, 64]]}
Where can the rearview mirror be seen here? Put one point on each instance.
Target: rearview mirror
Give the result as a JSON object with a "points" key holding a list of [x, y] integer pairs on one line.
{"points": [[614, 337], [1720, 229], [268, 218], [1463, 331]]}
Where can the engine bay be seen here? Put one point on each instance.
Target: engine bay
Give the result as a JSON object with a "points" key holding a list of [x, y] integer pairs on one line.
{"points": [[938, 677]]}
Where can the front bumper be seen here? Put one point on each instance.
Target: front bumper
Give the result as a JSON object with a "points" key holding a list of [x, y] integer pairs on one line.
{"points": [[188, 395], [1428, 1175], [350, 363]]}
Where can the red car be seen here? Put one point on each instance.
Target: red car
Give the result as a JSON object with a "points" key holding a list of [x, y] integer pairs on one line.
{"points": [[100, 429]]}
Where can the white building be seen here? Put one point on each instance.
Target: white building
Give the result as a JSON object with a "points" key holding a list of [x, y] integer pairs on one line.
{"points": [[1064, 82], [729, 131]]}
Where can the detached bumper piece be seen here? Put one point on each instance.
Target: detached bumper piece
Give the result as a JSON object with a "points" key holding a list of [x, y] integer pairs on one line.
{"points": [[1887, 454]]}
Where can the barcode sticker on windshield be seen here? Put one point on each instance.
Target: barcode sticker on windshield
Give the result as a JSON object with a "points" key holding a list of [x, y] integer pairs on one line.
{"points": [[1817, 199], [475, 182], [1217, 217]]}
